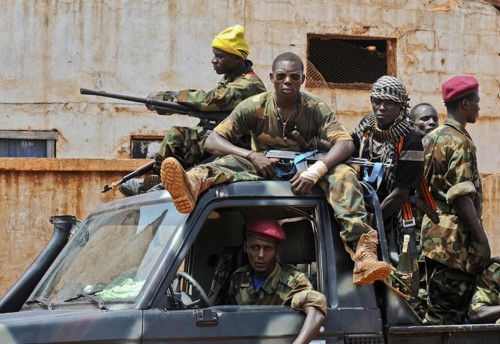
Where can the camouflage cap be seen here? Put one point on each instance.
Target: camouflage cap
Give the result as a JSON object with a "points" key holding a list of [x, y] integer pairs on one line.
{"points": [[266, 229]]}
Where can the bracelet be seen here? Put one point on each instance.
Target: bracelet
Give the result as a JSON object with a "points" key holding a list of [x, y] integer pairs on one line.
{"points": [[248, 155]]}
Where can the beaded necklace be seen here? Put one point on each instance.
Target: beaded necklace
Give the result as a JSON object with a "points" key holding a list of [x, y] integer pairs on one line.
{"points": [[292, 115]]}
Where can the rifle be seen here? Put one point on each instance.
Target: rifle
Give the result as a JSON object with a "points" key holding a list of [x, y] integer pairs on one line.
{"points": [[301, 159], [208, 119], [139, 172]]}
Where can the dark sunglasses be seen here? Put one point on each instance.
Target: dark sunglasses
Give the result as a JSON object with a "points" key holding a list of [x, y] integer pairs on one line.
{"points": [[294, 76]]}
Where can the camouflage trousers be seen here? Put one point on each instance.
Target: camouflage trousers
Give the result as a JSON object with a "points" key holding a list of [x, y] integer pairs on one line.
{"points": [[341, 187], [185, 144], [449, 294]]}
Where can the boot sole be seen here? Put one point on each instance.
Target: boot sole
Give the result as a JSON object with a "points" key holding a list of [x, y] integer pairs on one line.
{"points": [[379, 274], [174, 180]]}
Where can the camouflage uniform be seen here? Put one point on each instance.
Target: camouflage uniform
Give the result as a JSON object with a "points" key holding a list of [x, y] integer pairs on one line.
{"points": [[450, 171], [284, 286], [186, 144], [487, 291], [315, 121]]}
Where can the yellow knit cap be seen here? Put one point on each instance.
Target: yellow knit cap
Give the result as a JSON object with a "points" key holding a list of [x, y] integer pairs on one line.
{"points": [[232, 40]]}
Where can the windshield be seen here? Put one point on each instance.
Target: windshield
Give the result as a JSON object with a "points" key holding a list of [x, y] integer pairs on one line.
{"points": [[111, 255]]}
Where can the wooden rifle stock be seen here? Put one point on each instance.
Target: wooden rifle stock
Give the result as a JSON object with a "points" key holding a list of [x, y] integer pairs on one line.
{"points": [[138, 172]]}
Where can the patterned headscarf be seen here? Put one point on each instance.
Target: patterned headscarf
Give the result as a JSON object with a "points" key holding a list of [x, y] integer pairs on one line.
{"points": [[389, 87]]}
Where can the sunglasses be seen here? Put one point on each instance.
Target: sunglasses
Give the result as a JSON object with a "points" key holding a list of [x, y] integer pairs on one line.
{"points": [[294, 76]]}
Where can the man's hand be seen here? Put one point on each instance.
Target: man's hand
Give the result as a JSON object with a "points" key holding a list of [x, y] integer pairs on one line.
{"points": [[300, 185], [163, 96], [154, 95], [263, 165]]}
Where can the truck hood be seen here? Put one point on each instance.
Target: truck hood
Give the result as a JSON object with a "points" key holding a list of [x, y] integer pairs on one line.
{"points": [[71, 326]]}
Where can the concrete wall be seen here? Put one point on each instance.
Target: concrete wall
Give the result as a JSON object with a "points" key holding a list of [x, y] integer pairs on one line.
{"points": [[52, 48]]}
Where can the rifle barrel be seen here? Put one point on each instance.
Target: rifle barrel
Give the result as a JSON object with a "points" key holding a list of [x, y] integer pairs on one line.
{"points": [[161, 105], [115, 96]]}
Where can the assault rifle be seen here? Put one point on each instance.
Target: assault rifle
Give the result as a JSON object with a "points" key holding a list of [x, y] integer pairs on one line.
{"points": [[139, 172], [208, 119], [302, 159]]}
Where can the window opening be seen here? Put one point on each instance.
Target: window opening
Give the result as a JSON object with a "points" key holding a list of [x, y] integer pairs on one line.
{"points": [[144, 147], [347, 62], [28, 144], [220, 241]]}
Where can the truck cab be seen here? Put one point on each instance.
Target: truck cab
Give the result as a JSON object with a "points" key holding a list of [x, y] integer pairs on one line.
{"points": [[137, 271]]}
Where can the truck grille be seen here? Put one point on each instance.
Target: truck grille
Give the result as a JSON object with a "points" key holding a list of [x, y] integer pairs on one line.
{"points": [[364, 339]]}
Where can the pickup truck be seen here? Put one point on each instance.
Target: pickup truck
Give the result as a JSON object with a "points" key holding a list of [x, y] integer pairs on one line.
{"points": [[137, 271]]}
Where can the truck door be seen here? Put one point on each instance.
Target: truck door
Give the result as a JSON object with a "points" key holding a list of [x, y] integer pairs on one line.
{"points": [[223, 231]]}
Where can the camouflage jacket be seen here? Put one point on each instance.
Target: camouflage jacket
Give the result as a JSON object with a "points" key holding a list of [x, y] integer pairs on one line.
{"points": [[487, 291], [224, 97], [451, 171], [284, 286], [257, 116]]}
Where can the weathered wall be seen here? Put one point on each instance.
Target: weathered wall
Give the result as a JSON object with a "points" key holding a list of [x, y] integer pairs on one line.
{"points": [[32, 190], [52, 48]]}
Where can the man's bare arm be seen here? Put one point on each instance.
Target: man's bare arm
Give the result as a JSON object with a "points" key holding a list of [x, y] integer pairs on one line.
{"points": [[219, 146], [485, 315], [393, 202], [312, 324]]}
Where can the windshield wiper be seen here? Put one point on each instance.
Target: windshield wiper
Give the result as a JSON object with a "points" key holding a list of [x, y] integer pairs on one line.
{"points": [[46, 302], [95, 299]]}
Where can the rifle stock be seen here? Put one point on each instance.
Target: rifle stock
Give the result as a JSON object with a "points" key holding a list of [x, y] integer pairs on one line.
{"points": [[136, 173], [209, 119]]}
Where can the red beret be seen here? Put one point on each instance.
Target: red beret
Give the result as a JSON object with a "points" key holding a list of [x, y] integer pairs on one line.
{"points": [[458, 86], [266, 229]]}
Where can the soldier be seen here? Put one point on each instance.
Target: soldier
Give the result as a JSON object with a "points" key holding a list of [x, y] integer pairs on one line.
{"points": [[456, 249], [230, 50], [425, 118], [485, 304], [387, 136], [270, 118], [266, 281]]}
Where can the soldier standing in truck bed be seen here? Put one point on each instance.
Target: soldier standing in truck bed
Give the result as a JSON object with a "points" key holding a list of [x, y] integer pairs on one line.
{"points": [[425, 119], [230, 50], [387, 136], [457, 249]]}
